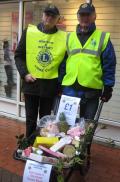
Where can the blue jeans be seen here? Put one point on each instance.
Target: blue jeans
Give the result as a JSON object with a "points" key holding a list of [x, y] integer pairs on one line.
{"points": [[89, 101]]}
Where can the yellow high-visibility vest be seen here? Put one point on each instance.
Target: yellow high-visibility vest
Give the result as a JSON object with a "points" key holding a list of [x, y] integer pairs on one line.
{"points": [[44, 52], [84, 63]]}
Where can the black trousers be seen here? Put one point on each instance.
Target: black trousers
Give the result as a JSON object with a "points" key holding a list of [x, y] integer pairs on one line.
{"points": [[35, 105], [88, 107]]}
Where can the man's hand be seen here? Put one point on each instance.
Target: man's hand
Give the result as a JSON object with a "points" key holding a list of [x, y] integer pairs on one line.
{"points": [[29, 78], [107, 93]]}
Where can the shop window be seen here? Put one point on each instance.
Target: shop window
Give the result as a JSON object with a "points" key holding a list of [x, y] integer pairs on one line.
{"points": [[8, 44]]}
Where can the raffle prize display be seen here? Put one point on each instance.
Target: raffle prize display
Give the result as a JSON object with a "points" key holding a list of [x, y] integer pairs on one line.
{"points": [[60, 140]]}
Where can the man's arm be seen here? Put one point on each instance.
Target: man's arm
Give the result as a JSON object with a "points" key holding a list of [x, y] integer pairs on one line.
{"points": [[20, 56], [109, 66], [62, 69]]}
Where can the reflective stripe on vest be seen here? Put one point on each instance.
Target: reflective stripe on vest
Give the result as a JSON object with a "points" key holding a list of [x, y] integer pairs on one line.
{"points": [[67, 42], [88, 51]]}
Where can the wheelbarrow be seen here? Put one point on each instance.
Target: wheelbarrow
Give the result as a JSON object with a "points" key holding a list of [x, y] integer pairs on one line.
{"points": [[69, 169]]}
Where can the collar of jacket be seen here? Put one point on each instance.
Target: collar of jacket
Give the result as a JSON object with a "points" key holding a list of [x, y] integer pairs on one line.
{"points": [[91, 29], [51, 31]]}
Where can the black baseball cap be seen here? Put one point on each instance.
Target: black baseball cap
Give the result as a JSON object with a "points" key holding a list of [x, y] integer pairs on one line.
{"points": [[86, 8], [52, 9]]}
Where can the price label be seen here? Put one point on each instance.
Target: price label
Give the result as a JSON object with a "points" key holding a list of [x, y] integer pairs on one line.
{"points": [[69, 106]]}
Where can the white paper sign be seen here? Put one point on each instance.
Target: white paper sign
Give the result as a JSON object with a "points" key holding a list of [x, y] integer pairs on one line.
{"points": [[36, 172], [69, 106]]}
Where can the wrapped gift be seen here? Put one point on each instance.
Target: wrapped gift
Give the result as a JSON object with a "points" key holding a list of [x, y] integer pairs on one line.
{"points": [[76, 131], [45, 141]]}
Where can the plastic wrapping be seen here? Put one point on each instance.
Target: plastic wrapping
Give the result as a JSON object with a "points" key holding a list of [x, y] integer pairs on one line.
{"points": [[45, 120]]}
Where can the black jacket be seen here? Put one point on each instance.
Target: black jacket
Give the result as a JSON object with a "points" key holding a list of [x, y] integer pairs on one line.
{"points": [[41, 87]]}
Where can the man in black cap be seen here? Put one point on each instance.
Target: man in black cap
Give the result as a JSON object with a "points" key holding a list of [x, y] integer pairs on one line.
{"points": [[90, 67], [38, 56]]}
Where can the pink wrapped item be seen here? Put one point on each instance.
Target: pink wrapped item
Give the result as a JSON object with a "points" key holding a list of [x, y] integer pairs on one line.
{"points": [[27, 151], [76, 131], [55, 154]]}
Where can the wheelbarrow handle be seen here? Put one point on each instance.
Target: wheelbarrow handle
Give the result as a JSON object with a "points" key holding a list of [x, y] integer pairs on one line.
{"points": [[99, 111]]}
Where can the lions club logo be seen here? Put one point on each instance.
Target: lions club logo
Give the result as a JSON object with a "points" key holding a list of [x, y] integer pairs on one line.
{"points": [[93, 42], [44, 58]]}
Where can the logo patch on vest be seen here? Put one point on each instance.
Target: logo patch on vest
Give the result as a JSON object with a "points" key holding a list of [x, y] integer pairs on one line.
{"points": [[44, 58], [93, 42]]}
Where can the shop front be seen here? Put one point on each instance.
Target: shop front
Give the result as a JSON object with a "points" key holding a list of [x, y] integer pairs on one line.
{"points": [[16, 15]]}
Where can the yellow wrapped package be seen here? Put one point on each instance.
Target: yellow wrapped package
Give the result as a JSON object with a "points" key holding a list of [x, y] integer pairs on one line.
{"points": [[45, 141]]}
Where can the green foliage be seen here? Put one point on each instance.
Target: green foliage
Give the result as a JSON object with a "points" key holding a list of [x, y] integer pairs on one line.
{"points": [[59, 170], [62, 117], [89, 132], [60, 178], [22, 142], [76, 161], [63, 125]]}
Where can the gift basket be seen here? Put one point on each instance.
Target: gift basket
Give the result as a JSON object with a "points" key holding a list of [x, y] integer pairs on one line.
{"points": [[59, 144]]}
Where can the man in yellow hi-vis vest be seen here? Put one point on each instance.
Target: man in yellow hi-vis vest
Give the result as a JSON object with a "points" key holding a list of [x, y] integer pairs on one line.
{"points": [[38, 56], [90, 67]]}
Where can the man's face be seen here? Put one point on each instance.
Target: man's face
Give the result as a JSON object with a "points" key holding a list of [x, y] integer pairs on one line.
{"points": [[50, 20], [85, 19]]}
